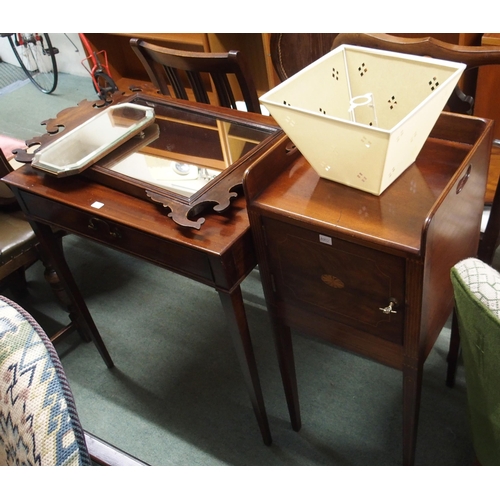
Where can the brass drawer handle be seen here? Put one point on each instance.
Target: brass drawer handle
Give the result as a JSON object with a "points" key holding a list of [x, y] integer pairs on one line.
{"points": [[95, 222], [393, 303]]}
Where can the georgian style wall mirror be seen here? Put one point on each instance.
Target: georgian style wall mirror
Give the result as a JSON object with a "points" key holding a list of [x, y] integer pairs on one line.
{"points": [[190, 158]]}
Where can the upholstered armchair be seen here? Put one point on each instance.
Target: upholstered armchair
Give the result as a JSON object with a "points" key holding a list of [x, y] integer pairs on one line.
{"points": [[477, 298]]}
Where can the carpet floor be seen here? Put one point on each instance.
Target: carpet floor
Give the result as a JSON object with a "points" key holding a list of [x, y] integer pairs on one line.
{"points": [[176, 395], [11, 77]]}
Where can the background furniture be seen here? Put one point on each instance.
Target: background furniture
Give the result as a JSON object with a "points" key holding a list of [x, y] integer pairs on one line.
{"points": [[291, 52], [370, 273], [18, 243], [477, 295], [256, 47], [178, 71], [487, 105]]}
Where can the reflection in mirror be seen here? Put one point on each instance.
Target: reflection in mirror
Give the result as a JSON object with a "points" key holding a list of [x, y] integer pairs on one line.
{"points": [[179, 177], [189, 154]]}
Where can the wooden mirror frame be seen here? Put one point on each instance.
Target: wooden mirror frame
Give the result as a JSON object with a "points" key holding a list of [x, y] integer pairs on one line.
{"points": [[185, 211]]}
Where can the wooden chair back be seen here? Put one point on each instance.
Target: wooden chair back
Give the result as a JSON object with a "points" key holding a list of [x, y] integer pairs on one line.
{"points": [[6, 195], [291, 52], [472, 56], [182, 71], [37, 397]]}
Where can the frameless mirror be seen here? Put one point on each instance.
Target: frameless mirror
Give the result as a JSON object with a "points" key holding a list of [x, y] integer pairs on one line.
{"points": [[93, 139]]}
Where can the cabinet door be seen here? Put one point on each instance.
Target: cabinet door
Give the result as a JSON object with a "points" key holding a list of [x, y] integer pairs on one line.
{"points": [[339, 280]]}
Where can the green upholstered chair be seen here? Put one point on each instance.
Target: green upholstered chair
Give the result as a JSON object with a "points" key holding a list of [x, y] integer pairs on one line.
{"points": [[477, 298]]}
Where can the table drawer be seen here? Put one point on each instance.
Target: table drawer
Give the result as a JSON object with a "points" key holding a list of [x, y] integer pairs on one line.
{"points": [[157, 250], [345, 282]]}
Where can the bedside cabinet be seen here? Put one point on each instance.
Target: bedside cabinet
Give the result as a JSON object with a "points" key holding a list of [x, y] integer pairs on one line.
{"points": [[370, 273]]}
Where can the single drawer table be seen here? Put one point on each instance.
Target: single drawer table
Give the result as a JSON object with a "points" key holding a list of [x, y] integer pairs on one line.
{"points": [[204, 235]]}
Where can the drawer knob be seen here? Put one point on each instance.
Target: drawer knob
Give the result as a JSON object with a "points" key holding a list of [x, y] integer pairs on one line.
{"points": [[393, 303], [95, 223]]}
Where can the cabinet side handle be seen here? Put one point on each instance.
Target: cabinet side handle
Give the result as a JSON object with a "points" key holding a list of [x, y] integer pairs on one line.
{"points": [[463, 181]]}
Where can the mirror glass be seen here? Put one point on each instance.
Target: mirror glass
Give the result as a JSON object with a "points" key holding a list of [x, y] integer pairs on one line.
{"points": [[191, 150]]}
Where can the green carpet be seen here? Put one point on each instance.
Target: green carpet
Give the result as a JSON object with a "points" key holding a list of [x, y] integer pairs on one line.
{"points": [[176, 395], [23, 109], [11, 77]]}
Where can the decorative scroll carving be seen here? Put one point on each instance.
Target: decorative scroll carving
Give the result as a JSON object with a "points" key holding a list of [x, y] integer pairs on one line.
{"points": [[65, 121]]}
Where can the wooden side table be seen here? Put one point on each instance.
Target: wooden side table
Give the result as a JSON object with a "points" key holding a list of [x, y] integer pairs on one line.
{"points": [[118, 213], [367, 273]]}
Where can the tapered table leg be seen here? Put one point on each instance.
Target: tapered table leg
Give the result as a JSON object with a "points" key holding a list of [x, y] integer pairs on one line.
{"points": [[78, 310], [284, 351], [453, 352], [232, 303], [412, 390]]}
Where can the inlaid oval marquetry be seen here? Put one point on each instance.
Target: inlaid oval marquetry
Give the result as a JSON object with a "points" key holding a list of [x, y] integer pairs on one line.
{"points": [[332, 281]]}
